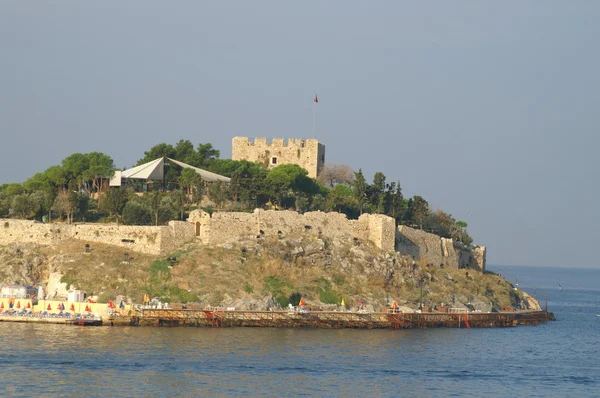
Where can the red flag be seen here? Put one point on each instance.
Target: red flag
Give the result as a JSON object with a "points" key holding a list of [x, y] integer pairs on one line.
{"points": [[316, 100]]}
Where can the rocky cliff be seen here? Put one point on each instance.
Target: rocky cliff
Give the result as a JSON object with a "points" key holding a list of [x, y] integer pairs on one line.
{"points": [[259, 272]]}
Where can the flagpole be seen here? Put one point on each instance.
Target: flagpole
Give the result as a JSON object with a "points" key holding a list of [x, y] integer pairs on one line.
{"points": [[314, 118], [315, 103]]}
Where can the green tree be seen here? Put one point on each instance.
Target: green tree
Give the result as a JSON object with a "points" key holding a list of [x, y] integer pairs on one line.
{"points": [[343, 200], [217, 191], [204, 156], [360, 188], [100, 167], [184, 151], [377, 192], [23, 206], [168, 209], [157, 151], [179, 199], [418, 208], [135, 213], [73, 167], [115, 200], [286, 182], [83, 204], [65, 204], [395, 203], [189, 180], [155, 199]]}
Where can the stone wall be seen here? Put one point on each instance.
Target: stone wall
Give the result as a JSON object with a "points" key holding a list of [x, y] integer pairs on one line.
{"points": [[153, 240], [309, 154], [436, 250], [222, 227]]}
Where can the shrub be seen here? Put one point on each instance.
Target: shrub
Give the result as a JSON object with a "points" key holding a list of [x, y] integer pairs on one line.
{"points": [[136, 214], [294, 299]]}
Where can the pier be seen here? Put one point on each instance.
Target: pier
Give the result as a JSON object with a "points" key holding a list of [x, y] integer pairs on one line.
{"points": [[217, 318]]}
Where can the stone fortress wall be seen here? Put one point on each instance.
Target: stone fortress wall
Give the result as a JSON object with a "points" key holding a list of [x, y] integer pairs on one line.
{"points": [[434, 249], [152, 240], [309, 153], [222, 227]]}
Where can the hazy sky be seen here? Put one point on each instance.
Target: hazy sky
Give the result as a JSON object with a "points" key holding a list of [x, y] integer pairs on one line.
{"points": [[487, 109]]}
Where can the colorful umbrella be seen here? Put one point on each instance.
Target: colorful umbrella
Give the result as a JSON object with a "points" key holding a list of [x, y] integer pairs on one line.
{"points": [[62, 306], [72, 307], [122, 305], [49, 307], [2, 306], [10, 304], [87, 308], [18, 304], [28, 304], [110, 304]]}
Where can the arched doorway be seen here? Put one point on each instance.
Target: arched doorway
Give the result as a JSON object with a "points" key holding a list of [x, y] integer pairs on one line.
{"points": [[198, 228]]}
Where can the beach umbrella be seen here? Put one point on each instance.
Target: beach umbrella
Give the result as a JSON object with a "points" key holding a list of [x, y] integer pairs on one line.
{"points": [[49, 307], [28, 304], [301, 303], [2, 306], [62, 306], [10, 304], [18, 304], [72, 307], [87, 308], [343, 304], [122, 305], [110, 304]]}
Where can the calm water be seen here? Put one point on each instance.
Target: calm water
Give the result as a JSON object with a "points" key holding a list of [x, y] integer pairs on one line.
{"points": [[558, 359]]}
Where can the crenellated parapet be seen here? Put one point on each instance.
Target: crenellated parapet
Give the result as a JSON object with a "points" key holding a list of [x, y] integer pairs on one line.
{"points": [[306, 153]]}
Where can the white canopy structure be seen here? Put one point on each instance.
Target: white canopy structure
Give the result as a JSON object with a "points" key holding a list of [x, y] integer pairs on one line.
{"points": [[206, 175], [155, 170]]}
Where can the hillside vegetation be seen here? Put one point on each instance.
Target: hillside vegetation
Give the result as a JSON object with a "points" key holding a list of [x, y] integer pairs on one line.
{"points": [[258, 274]]}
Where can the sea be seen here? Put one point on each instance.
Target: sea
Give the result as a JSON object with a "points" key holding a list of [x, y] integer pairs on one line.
{"points": [[558, 359]]}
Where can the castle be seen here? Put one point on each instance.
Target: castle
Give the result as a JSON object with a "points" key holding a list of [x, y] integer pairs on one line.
{"points": [[309, 153]]}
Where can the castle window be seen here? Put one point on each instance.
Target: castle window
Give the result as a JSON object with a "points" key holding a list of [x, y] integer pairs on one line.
{"points": [[274, 160]]}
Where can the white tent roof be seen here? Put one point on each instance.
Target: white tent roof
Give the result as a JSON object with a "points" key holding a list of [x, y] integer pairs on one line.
{"points": [[155, 169], [206, 175]]}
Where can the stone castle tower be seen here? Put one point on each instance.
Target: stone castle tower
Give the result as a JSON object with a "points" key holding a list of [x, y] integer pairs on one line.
{"points": [[309, 154]]}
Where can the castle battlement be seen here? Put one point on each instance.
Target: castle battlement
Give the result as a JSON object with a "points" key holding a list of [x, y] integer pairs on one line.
{"points": [[307, 153]]}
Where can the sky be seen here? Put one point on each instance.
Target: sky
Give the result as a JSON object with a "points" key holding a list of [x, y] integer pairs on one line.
{"points": [[487, 109]]}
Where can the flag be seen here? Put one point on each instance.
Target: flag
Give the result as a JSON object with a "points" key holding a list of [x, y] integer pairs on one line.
{"points": [[316, 100]]}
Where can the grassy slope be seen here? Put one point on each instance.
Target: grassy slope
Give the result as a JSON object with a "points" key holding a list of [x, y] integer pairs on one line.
{"points": [[251, 272]]}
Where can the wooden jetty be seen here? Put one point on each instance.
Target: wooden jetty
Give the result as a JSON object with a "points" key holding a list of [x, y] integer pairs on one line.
{"points": [[329, 320]]}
